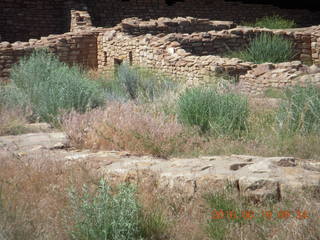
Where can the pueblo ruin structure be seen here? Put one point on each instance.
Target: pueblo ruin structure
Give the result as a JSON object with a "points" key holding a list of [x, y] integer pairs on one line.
{"points": [[175, 37]]}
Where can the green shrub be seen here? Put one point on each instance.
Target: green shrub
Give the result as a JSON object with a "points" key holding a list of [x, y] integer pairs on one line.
{"points": [[51, 86], [300, 111], [105, 216], [272, 22], [154, 225], [224, 113], [267, 48], [136, 83], [11, 97]]}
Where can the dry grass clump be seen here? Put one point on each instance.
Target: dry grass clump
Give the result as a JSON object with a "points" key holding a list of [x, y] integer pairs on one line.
{"points": [[12, 121], [126, 126], [33, 198], [34, 204]]}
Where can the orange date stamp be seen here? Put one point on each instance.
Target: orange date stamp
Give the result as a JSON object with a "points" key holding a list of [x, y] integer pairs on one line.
{"points": [[248, 215]]}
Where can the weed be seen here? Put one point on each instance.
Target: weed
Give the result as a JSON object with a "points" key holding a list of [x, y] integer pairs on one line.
{"points": [[267, 48], [300, 111], [272, 22], [222, 113]]}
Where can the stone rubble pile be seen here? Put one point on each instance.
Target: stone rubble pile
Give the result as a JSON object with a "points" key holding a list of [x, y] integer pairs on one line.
{"points": [[280, 75]]}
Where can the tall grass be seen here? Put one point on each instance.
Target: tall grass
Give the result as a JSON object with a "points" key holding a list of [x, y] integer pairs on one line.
{"points": [[300, 111], [14, 111], [222, 113], [51, 86], [272, 22], [267, 48]]}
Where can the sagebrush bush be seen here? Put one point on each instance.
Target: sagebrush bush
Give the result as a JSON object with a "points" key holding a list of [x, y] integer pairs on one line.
{"points": [[272, 22], [51, 86], [267, 48], [300, 111], [136, 83], [222, 113], [104, 215]]}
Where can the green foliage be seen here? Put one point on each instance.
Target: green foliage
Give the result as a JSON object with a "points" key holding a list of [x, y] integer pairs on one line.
{"points": [[11, 97], [106, 216], [272, 22], [219, 201], [154, 225], [300, 111], [267, 48], [223, 113], [136, 83], [274, 93], [51, 86]]}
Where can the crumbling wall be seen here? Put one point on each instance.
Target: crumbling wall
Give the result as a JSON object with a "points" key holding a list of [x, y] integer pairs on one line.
{"points": [[80, 20], [194, 57], [162, 54], [135, 26], [315, 46], [213, 37], [72, 48], [281, 75]]}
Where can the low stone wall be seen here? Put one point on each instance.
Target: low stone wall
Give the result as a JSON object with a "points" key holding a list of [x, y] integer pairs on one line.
{"points": [[220, 43], [281, 75], [191, 56], [79, 48], [160, 53], [135, 26]]}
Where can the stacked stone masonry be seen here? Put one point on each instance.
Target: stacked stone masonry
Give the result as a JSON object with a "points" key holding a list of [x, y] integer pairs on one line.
{"points": [[315, 45], [176, 47], [72, 48]]}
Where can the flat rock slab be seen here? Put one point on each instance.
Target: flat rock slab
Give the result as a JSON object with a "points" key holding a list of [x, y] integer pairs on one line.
{"points": [[33, 141], [259, 178]]}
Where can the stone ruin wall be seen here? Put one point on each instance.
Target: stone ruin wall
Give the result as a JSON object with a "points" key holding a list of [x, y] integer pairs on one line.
{"points": [[207, 37], [315, 46], [194, 56], [72, 48], [163, 54], [188, 56]]}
